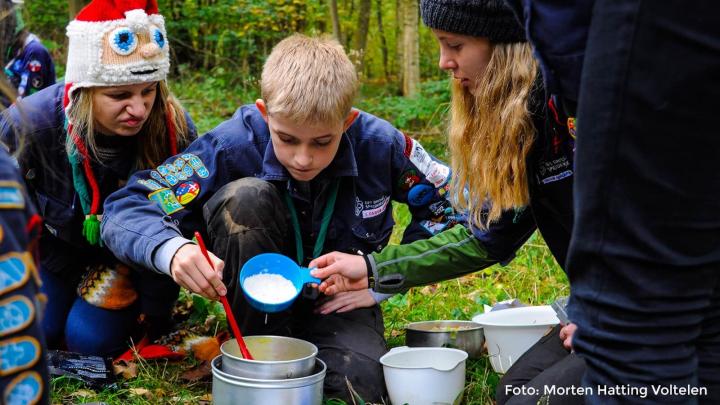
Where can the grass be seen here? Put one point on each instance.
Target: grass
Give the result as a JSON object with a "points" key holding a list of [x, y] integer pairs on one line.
{"points": [[533, 277]]}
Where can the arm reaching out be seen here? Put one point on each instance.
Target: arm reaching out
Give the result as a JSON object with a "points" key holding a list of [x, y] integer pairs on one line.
{"points": [[340, 272]]}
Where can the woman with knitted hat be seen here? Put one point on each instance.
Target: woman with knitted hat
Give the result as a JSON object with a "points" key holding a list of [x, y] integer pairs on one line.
{"points": [[113, 115], [512, 150]]}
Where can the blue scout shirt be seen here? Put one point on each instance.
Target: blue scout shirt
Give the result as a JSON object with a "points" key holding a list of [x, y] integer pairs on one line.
{"points": [[23, 368], [32, 69], [44, 163], [376, 164]]}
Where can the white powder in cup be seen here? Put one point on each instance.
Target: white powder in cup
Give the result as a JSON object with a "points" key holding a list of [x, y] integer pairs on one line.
{"points": [[269, 288]]}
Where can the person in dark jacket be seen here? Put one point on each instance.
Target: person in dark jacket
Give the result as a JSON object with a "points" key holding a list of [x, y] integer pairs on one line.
{"points": [[28, 64], [23, 370], [301, 173], [513, 153], [82, 140]]}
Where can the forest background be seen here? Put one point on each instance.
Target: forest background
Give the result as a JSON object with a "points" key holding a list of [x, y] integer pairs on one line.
{"points": [[218, 48]]}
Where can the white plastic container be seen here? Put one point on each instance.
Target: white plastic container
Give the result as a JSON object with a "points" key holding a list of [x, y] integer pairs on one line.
{"points": [[509, 333], [424, 375]]}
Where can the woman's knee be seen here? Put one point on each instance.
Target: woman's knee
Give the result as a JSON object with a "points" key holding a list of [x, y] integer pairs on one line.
{"points": [[98, 331]]}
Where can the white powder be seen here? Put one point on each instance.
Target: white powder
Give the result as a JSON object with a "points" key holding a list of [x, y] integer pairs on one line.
{"points": [[269, 288]]}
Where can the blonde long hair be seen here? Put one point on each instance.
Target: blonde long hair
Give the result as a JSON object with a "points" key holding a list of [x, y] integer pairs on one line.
{"points": [[491, 134], [153, 142]]}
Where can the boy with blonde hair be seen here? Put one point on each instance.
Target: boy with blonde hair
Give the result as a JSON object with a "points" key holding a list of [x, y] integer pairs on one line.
{"points": [[301, 173]]}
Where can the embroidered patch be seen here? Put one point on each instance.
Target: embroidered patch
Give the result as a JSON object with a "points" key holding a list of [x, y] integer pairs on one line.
{"points": [[553, 170], [25, 389], [420, 195], [571, 126], [37, 82], [557, 177], [433, 227], [180, 169], [408, 146], [371, 209], [187, 192], [408, 179], [151, 184], [18, 353], [167, 200], [11, 195], [435, 172], [16, 313], [34, 66], [157, 176], [440, 208], [14, 271]]}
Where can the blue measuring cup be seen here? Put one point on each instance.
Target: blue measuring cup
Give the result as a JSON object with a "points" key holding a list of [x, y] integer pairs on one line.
{"points": [[275, 263]]}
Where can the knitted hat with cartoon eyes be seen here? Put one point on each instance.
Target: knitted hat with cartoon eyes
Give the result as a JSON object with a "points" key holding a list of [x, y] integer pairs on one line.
{"points": [[111, 43]]}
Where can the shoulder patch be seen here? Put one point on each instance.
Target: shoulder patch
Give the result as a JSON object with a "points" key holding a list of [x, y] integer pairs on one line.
{"points": [[16, 313], [167, 200], [15, 271], [186, 192], [11, 195], [26, 389], [19, 353], [435, 172]]}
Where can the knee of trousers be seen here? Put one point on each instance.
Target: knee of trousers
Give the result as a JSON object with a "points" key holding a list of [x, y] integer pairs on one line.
{"points": [[364, 374], [244, 204]]}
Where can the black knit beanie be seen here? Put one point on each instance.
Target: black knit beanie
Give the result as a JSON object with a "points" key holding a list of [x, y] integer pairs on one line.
{"points": [[478, 18]]}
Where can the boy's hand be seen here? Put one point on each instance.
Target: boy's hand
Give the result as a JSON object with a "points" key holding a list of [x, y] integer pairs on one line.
{"points": [[346, 301], [566, 335], [190, 269], [341, 272]]}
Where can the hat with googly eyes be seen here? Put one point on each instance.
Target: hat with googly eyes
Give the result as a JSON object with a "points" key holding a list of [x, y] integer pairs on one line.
{"points": [[116, 42]]}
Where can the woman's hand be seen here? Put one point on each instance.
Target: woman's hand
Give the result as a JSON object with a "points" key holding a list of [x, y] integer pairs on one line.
{"points": [[190, 269], [346, 301], [340, 272], [566, 335]]}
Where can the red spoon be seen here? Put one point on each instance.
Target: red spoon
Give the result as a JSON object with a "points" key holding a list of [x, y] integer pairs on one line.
{"points": [[228, 311]]}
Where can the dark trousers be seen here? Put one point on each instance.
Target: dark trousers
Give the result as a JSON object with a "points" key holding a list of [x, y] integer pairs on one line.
{"points": [[644, 262], [248, 217], [548, 372]]}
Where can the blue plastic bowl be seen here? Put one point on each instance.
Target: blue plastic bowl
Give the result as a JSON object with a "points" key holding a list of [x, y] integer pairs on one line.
{"points": [[274, 263]]}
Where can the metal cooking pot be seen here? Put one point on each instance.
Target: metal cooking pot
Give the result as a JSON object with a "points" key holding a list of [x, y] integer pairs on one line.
{"points": [[229, 389], [274, 358], [463, 335]]}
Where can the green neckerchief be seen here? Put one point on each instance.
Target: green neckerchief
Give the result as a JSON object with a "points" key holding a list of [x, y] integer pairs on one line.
{"points": [[327, 214]]}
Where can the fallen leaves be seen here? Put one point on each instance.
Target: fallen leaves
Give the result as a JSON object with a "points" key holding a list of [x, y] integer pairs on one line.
{"points": [[128, 369]]}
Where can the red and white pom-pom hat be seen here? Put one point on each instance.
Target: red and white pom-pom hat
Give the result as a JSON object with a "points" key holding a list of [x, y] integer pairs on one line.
{"points": [[116, 42]]}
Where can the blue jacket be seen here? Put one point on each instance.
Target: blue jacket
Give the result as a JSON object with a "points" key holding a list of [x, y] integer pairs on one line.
{"points": [[376, 164], [39, 120], [23, 369], [32, 69]]}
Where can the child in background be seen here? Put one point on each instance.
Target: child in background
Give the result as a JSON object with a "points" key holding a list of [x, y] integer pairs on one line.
{"points": [[301, 173], [28, 64]]}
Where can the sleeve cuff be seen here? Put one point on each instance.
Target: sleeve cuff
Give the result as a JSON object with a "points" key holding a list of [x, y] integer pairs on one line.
{"points": [[379, 297], [164, 254]]}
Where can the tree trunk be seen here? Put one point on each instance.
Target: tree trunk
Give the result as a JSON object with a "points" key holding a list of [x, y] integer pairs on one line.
{"points": [[411, 51], [74, 7], [363, 23], [383, 43], [399, 47], [335, 20]]}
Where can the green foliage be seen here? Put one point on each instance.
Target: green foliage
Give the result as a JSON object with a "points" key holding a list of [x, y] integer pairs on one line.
{"points": [[423, 114]]}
